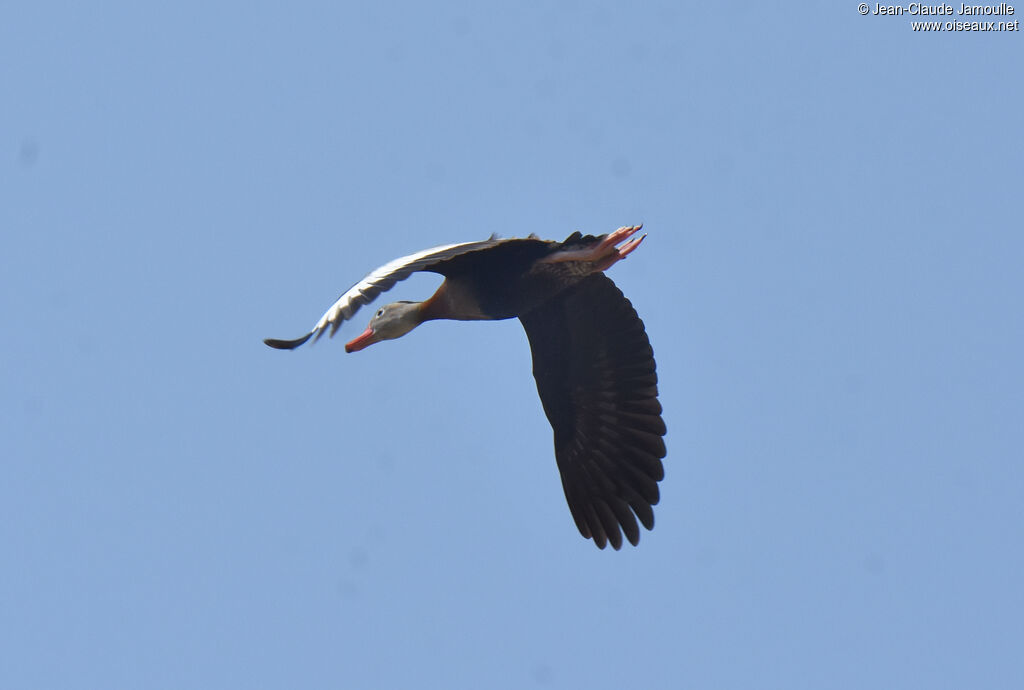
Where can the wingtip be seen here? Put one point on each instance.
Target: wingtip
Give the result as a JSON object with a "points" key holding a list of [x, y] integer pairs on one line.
{"points": [[287, 344]]}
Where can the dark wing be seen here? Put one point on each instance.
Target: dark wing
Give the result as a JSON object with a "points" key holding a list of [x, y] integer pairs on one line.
{"points": [[378, 281], [596, 377]]}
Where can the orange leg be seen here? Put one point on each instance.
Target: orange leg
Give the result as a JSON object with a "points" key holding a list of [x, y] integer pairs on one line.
{"points": [[604, 254], [613, 238]]}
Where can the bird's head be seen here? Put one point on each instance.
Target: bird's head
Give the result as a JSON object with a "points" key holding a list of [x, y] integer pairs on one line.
{"points": [[389, 322]]}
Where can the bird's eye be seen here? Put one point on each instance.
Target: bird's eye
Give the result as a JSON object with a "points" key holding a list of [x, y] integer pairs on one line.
{"points": [[380, 312]]}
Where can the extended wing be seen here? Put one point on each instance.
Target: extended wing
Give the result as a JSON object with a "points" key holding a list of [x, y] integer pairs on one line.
{"points": [[596, 377], [381, 280]]}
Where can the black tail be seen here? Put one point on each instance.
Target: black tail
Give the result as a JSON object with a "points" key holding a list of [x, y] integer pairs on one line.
{"points": [[287, 344]]}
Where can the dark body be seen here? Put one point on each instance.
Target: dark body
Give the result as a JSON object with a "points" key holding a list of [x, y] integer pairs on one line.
{"points": [[503, 280]]}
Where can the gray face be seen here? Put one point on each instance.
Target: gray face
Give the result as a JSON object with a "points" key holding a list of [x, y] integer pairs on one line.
{"points": [[395, 320]]}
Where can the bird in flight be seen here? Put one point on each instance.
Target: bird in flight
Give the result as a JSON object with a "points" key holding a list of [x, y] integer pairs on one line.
{"points": [[592, 361]]}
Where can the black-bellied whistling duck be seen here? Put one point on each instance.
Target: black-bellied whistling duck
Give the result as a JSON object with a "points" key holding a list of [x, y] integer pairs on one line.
{"points": [[592, 361]]}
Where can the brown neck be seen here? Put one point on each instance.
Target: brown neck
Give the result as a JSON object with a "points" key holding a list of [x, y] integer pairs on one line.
{"points": [[437, 307], [455, 301]]}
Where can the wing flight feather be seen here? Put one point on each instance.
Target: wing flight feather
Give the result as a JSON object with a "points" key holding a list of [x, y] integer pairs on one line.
{"points": [[381, 280]]}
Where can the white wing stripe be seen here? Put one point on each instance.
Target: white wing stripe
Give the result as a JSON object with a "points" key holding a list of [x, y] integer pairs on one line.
{"points": [[382, 279]]}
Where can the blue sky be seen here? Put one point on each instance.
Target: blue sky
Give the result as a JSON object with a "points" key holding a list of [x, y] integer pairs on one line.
{"points": [[832, 286]]}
